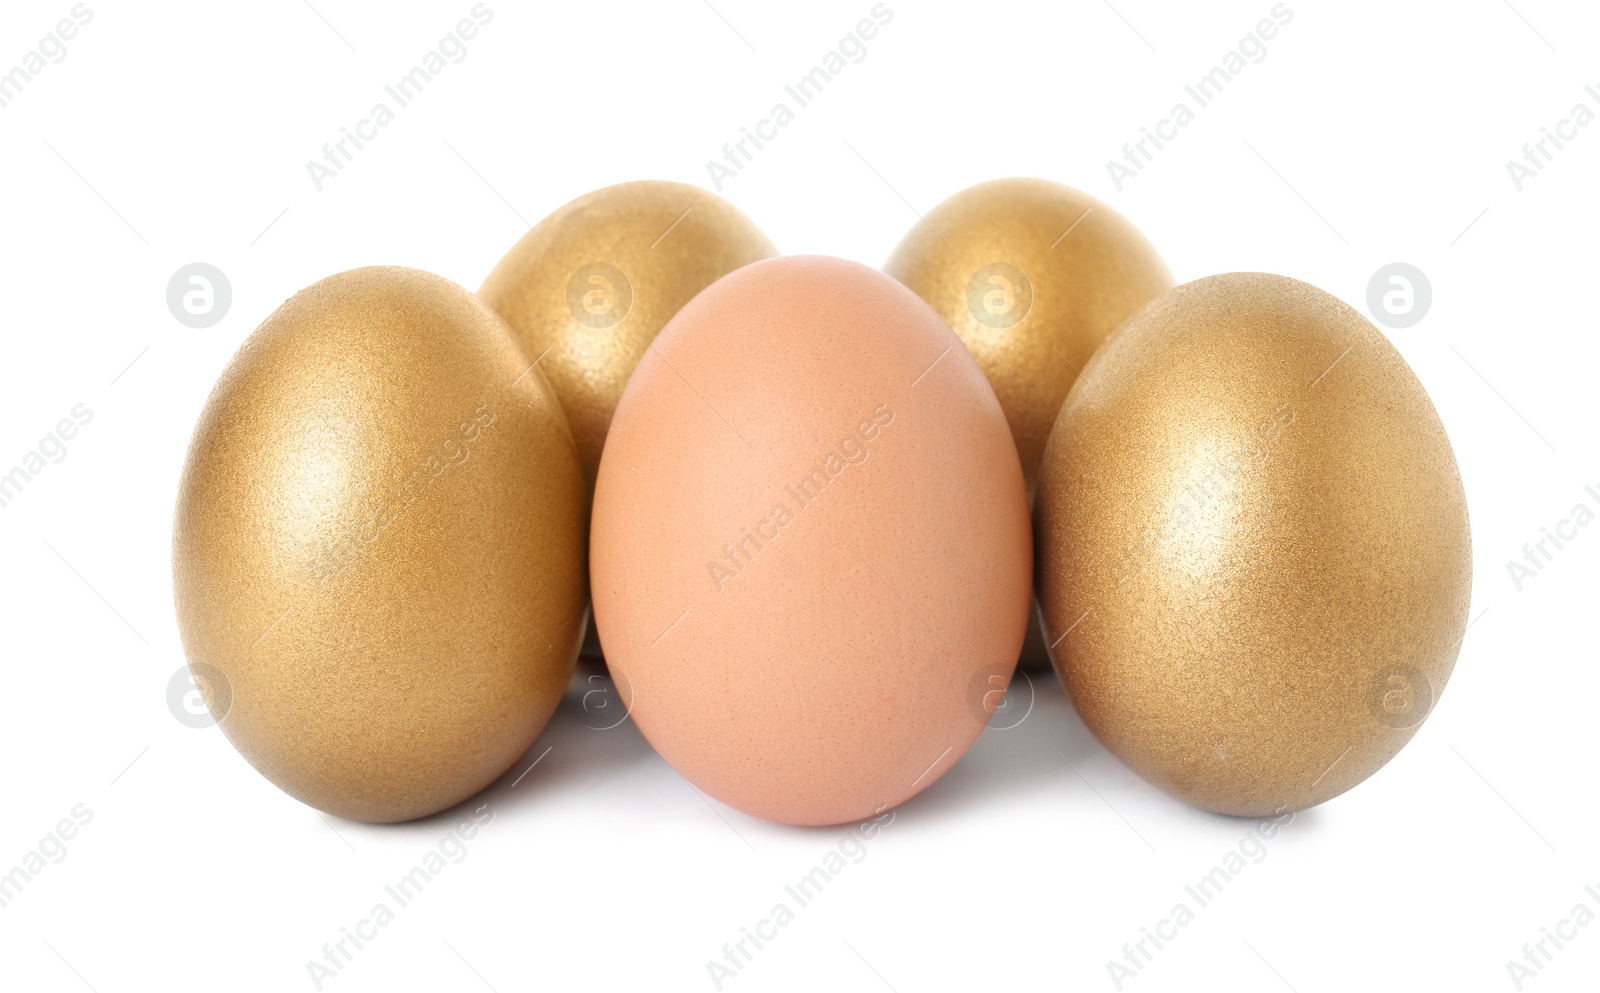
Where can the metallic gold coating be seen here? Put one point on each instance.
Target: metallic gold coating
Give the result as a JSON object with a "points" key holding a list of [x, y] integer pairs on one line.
{"points": [[1033, 276], [1252, 532], [590, 287], [380, 544]]}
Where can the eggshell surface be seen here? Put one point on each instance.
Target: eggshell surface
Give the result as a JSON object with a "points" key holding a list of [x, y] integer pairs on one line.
{"points": [[1255, 562], [810, 549], [378, 553], [1032, 276], [588, 288]]}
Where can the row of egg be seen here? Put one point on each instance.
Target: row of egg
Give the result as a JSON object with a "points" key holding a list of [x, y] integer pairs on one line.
{"points": [[811, 555]]}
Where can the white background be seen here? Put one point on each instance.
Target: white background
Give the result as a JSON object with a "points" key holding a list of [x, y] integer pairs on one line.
{"points": [[179, 132]]}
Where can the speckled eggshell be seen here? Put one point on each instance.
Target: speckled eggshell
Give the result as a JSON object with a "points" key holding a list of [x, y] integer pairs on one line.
{"points": [[378, 550], [1255, 561], [810, 544]]}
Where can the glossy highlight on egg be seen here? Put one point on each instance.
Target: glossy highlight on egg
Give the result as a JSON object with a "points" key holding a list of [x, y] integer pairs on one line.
{"points": [[1032, 276], [589, 287], [1254, 556], [379, 548]]}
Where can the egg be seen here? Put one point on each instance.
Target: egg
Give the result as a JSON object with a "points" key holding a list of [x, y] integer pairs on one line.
{"points": [[1033, 276], [589, 287], [379, 548], [1254, 560], [810, 553]]}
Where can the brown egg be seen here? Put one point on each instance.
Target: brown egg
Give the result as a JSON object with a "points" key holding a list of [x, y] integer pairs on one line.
{"points": [[1033, 276], [1254, 557], [590, 286], [379, 549], [811, 551]]}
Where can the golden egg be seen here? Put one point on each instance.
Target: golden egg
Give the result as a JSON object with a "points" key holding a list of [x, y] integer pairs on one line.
{"points": [[1033, 276], [380, 547], [1252, 545], [589, 287]]}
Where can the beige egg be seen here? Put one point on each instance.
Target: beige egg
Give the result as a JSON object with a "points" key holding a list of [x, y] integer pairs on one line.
{"points": [[1253, 550], [811, 551], [379, 551]]}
